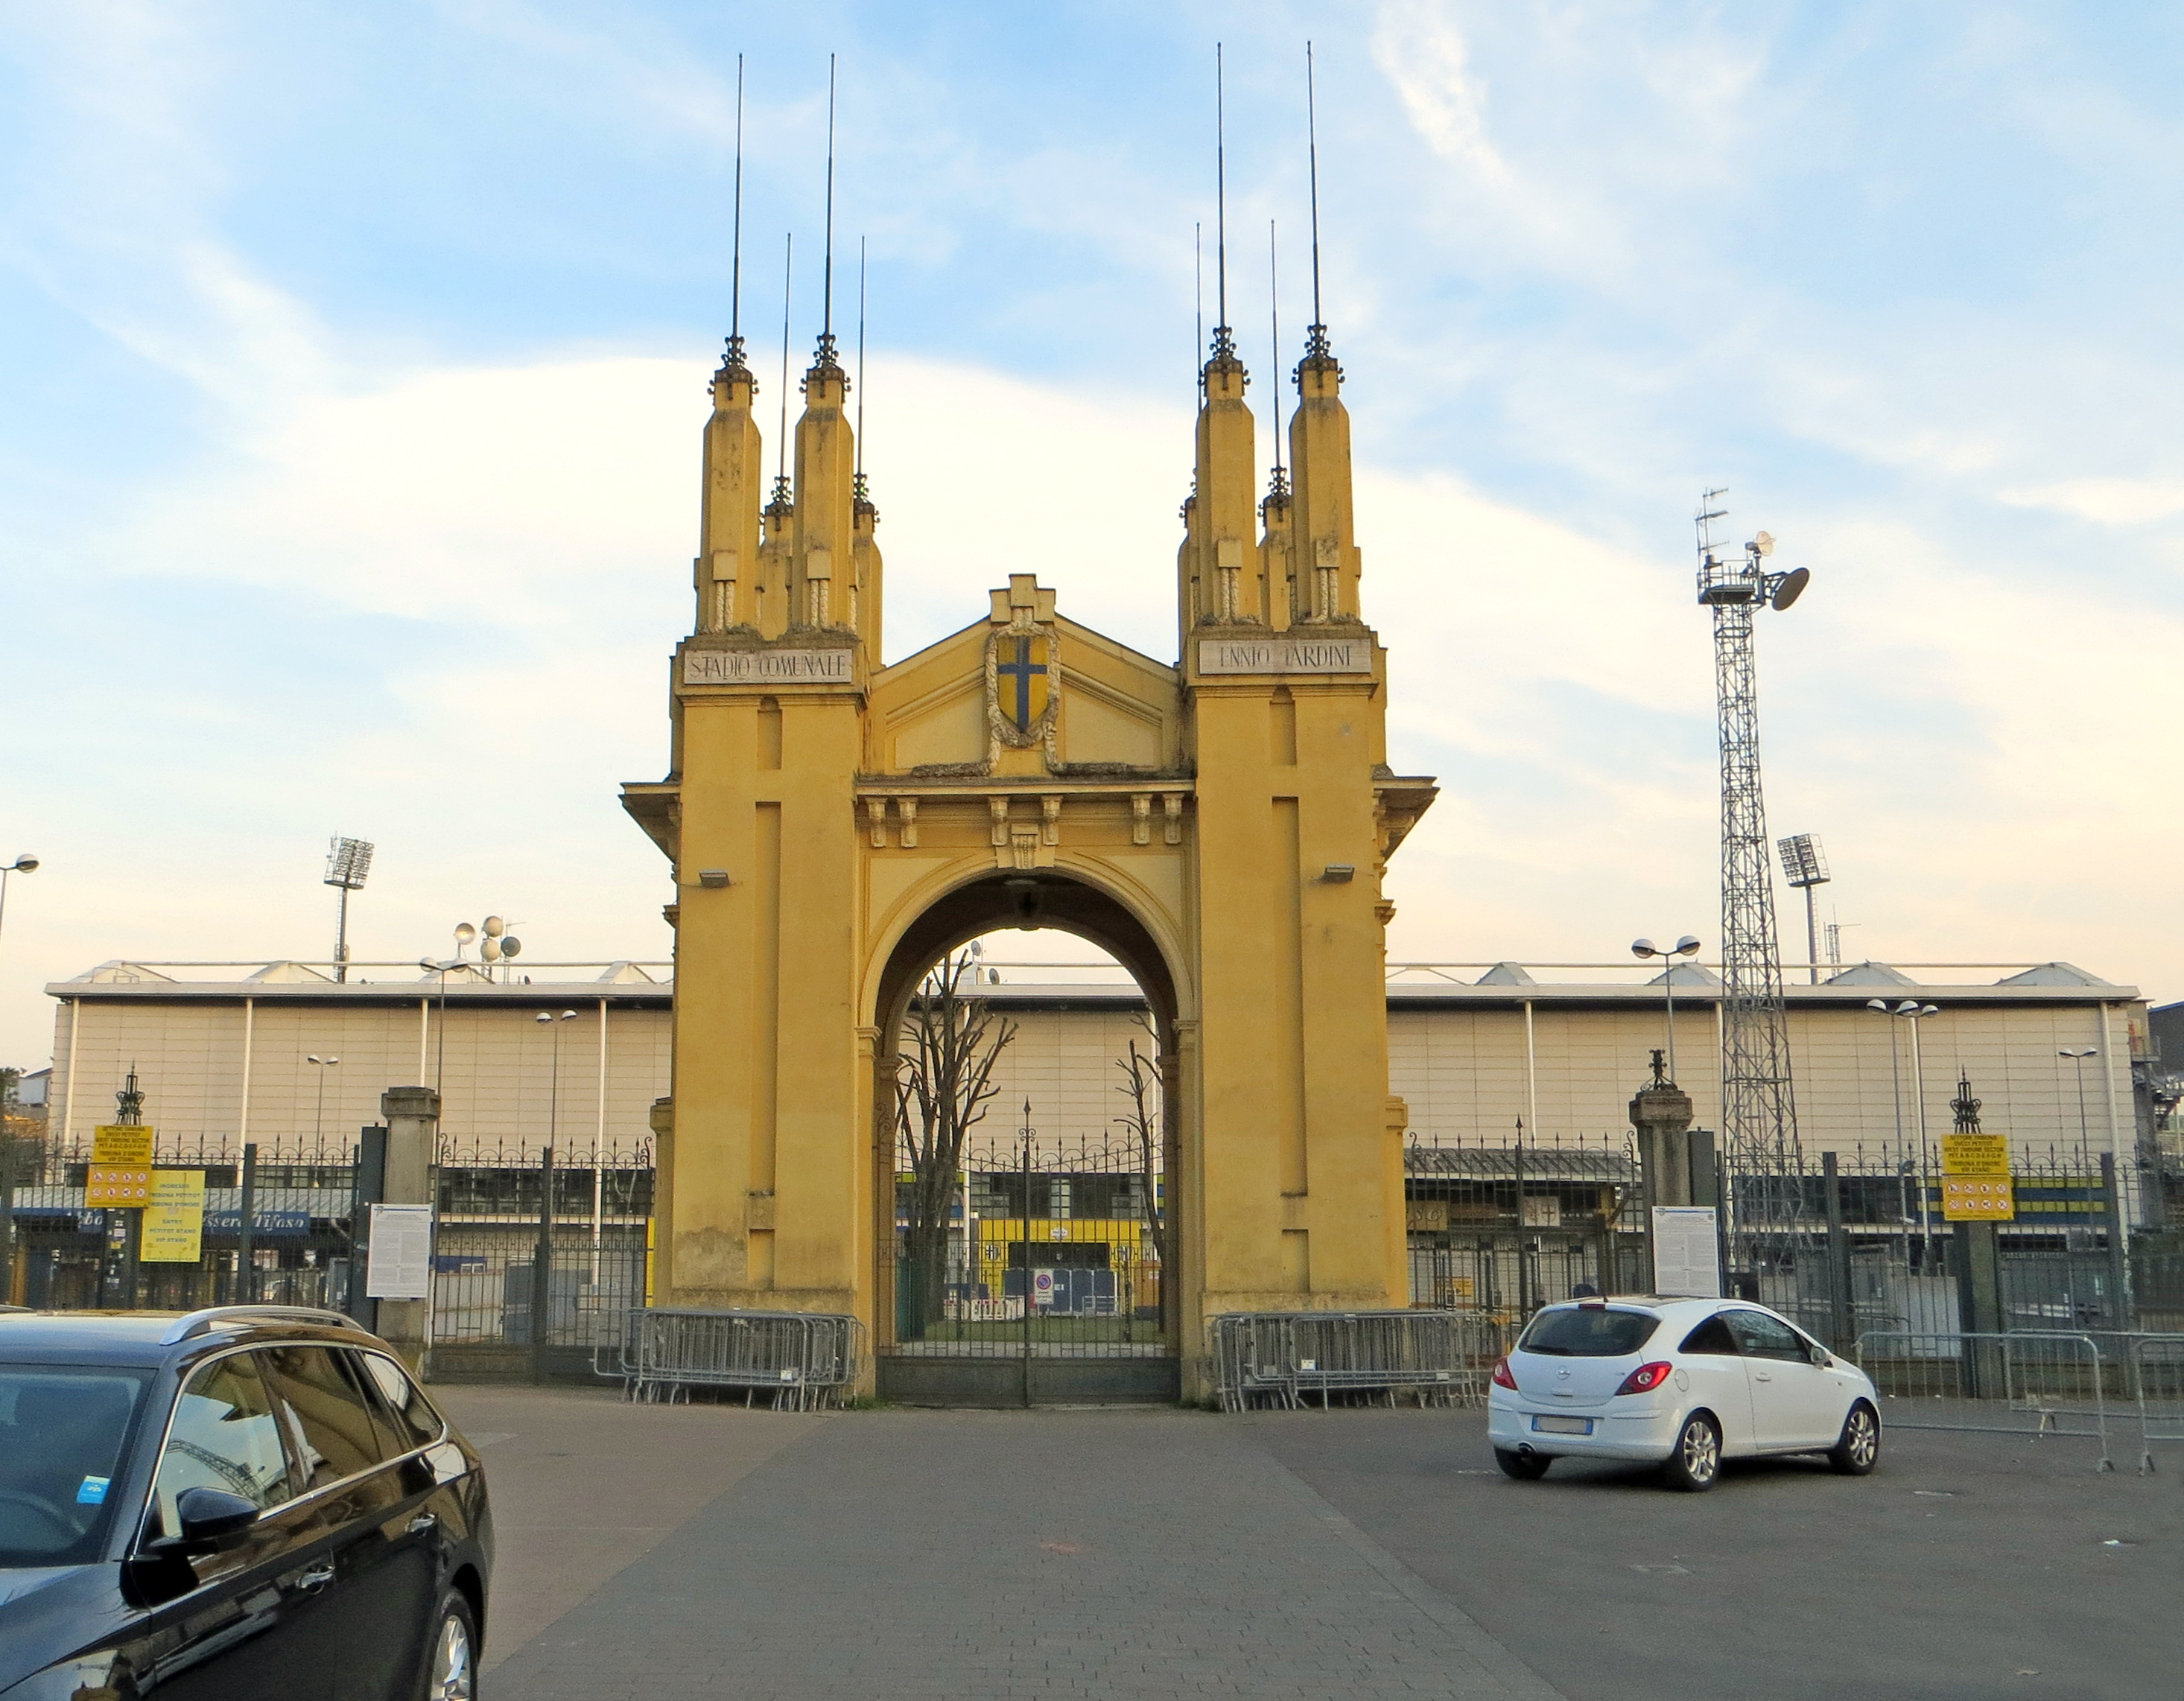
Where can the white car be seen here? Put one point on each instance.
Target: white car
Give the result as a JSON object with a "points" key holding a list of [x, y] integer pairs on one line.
{"points": [[1682, 1383]]}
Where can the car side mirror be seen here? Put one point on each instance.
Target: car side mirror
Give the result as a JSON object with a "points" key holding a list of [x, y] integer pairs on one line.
{"points": [[213, 1521], [1822, 1357]]}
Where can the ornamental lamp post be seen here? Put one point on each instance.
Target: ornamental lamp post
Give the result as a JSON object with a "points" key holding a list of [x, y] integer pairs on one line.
{"points": [[1646, 949]]}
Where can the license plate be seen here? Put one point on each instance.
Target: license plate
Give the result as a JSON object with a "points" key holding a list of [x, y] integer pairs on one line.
{"points": [[1563, 1426]]}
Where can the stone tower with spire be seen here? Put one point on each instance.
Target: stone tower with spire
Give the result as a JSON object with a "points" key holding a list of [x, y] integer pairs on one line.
{"points": [[836, 821]]}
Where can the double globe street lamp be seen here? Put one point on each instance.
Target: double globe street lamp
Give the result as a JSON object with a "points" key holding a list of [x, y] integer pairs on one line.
{"points": [[1646, 949]]}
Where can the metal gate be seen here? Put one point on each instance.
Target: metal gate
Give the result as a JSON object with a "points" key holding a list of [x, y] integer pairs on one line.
{"points": [[1046, 1284]]}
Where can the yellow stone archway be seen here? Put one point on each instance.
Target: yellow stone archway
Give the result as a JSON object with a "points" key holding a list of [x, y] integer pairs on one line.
{"points": [[1222, 826]]}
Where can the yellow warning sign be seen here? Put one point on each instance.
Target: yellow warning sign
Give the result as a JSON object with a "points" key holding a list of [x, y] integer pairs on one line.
{"points": [[173, 1220], [1975, 1154], [131, 1147], [1979, 1199], [118, 1184]]}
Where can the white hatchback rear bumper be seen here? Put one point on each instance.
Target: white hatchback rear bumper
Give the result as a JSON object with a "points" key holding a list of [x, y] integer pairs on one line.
{"points": [[1629, 1428]]}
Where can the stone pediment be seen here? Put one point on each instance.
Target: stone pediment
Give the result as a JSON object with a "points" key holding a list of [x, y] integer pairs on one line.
{"points": [[1024, 693]]}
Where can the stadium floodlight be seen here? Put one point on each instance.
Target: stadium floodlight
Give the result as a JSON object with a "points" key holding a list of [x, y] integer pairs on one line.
{"points": [[348, 865], [1805, 865]]}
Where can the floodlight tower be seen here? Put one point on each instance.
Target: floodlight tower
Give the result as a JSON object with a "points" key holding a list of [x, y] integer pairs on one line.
{"points": [[1758, 1110], [1805, 866], [348, 865]]}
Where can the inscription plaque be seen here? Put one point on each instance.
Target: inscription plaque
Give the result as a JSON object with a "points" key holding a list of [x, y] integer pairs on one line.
{"points": [[766, 667], [1285, 655]]}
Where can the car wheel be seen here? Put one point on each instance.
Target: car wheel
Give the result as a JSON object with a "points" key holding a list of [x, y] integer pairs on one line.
{"points": [[1858, 1450], [1696, 1464], [451, 1656], [1525, 1467]]}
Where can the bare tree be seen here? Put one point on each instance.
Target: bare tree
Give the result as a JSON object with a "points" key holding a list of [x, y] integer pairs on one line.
{"points": [[949, 1044], [1141, 1086]]}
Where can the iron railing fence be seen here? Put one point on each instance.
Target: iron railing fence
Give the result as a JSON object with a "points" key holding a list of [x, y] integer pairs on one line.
{"points": [[1049, 1249], [1503, 1228], [69, 1255], [536, 1250], [493, 1216]]}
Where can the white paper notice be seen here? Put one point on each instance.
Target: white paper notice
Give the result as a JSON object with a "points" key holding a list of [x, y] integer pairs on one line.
{"points": [[1687, 1253], [401, 1255]]}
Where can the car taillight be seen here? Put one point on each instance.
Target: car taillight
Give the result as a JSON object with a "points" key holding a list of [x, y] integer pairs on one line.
{"points": [[1647, 1378], [1502, 1379]]}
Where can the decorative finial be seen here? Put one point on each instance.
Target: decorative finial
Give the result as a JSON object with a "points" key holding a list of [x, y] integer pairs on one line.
{"points": [[1966, 1107]]}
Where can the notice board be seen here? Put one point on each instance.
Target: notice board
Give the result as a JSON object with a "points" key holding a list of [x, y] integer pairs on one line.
{"points": [[1687, 1252]]}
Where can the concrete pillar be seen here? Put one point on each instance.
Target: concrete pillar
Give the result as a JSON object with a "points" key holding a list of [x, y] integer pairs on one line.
{"points": [[412, 1116], [1661, 1115]]}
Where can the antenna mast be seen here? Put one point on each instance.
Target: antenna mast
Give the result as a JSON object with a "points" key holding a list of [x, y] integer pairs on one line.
{"points": [[1759, 1108]]}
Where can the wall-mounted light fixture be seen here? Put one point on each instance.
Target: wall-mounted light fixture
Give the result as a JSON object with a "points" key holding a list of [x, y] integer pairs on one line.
{"points": [[712, 879], [1339, 871]]}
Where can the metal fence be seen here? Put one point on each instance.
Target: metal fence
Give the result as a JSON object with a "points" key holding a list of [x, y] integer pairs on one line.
{"points": [[1050, 1251], [522, 1238], [797, 1360], [1284, 1359], [68, 1256], [498, 1210], [1503, 1229]]}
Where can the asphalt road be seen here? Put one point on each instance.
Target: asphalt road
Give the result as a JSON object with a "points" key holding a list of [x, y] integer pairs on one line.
{"points": [[655, 1552]]}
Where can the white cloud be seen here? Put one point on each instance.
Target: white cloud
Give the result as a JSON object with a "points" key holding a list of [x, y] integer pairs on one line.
{"points": [[2105, 501], [531, 524]]}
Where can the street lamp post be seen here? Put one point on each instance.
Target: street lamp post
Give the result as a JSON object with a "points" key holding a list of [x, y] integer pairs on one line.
{"points": [[22, 865], [1913, 1012], [2078, 1056], [542, 1264], [319, 1117], [1688, 946]]}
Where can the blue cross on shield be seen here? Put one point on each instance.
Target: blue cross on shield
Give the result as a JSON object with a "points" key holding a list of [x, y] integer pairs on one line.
{"points": [[1022, 679]]}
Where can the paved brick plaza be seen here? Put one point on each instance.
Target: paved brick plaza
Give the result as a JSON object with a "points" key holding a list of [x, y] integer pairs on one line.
{"points": [[663, 1552]]}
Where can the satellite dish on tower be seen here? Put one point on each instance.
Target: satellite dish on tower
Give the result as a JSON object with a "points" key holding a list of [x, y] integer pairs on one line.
{"points": [[1791, 587], [1763, 544]]}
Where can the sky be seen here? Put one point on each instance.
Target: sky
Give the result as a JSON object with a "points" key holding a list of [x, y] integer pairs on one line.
{"points": [[352, 362]]}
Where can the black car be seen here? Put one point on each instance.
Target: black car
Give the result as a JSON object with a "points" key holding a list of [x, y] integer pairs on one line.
{"points": [[240, 1503]]}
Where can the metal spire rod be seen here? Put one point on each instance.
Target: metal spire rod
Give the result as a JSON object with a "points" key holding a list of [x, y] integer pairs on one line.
{"points": [[1220, 196], [1315, 335], [860, 472], [735, 242], [827, 289], [780, 446], [1274, 314], [1198, 287], [1311, 147]]}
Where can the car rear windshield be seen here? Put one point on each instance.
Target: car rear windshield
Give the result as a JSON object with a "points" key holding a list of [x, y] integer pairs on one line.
{"points": [[1590, 1331], [62, 1428]]}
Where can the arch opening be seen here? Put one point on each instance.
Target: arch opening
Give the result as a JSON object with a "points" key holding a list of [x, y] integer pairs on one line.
{"points": [[1025, 1258]]}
